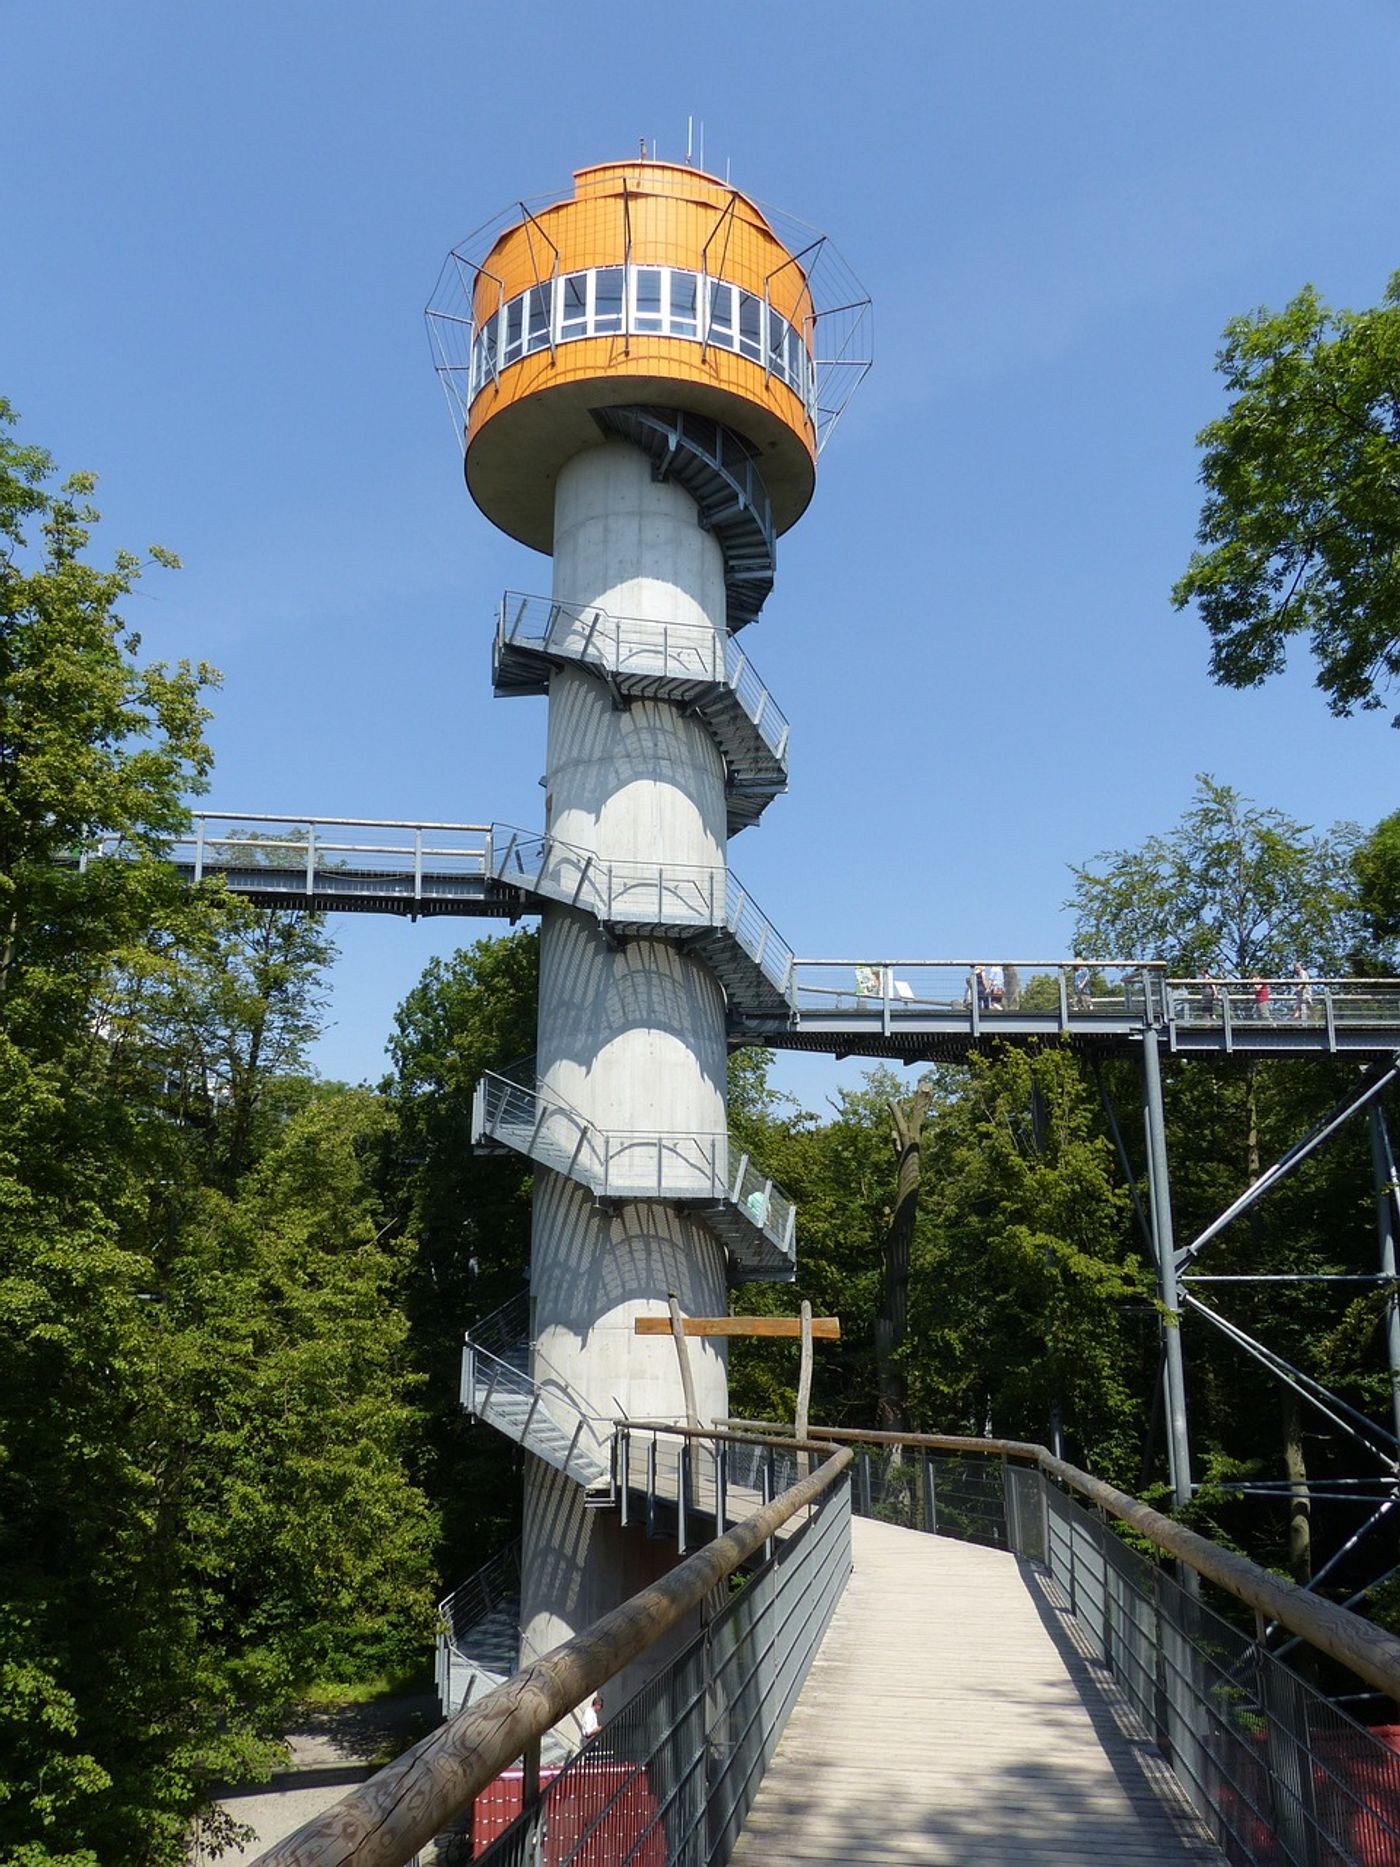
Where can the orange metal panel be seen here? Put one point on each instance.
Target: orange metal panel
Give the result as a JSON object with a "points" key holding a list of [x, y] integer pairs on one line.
{"points": [[675, 358], [676, 217]]}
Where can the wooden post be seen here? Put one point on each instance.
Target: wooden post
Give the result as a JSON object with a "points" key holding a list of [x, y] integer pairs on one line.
{"points": [[692, 1418], [804, 1375], [804, 1386]]}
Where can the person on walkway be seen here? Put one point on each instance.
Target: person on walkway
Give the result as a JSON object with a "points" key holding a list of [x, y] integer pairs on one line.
{"points": [[1210, 994], [996, 987], [1302, 991], [1261, 999], [1081, 983]]}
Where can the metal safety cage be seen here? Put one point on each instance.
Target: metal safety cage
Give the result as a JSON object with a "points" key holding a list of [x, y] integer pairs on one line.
{"points": [[668, 1779], [842, 339]]}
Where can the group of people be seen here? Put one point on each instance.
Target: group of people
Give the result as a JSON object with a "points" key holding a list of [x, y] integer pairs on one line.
{"points": [[1261, 1004], [989, 985]]}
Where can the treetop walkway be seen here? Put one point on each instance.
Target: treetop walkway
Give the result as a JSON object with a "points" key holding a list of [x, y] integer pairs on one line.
{"points": [[910, 1011], [978, 1670]]}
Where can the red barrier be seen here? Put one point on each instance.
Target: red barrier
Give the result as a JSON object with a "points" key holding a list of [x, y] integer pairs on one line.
{"points": [[613, 1800]]}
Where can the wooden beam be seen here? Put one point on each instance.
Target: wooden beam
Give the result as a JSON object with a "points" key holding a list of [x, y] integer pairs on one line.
{"points": [[824, 1328]]}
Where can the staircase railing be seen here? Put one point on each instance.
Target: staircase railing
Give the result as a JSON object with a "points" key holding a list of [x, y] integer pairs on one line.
{"points": [[693, 1168], [471, 1607], [640, 894], [1279, 1772], [681, 1762], [631, 645], [506, 1382]]}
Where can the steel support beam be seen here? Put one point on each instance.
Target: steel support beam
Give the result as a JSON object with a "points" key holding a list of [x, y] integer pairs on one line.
{"points": [[1164, 1250], [1379, 1079], [1387, 1206]]}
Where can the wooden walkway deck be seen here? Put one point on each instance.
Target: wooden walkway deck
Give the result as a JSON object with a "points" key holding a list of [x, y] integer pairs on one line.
{"points": [[950, 1718]]}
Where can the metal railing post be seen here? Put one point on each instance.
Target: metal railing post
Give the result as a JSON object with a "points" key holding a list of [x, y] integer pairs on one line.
{"points": [[199, 848], [766, 1494], [682, 1494], [417, 865], [530, 1804], [311, 859], [930, 1483]]}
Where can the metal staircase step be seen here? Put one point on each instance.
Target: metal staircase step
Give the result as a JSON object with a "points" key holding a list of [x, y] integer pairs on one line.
{"points": [[535, 636], [751, 1217], [717, 470]]}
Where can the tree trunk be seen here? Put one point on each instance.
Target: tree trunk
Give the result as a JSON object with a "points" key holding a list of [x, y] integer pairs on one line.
{"points": [[1294, 1464], [1300, 1499], [907, 1127]]}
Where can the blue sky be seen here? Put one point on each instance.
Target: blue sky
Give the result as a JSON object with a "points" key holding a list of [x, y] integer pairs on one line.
{"points": [[223, 221]]}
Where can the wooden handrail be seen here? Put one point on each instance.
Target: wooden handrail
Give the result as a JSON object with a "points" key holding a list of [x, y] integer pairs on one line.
{"points": [[1369, 1651], [382, 1823]]}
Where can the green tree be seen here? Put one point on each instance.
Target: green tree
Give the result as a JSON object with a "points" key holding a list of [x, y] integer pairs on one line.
{"points": [[1235, 887], [204, 1417], [1376, 871], [280, 1313], [1300, 530], [470, 1215], [1023, 1267]]}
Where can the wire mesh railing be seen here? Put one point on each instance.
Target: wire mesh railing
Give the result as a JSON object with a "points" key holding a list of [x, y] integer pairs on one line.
{"points": [[304, 856], [977, 993], [633, 647], [507, 1382], [668, 1779], [1281, 1775], [1297, 998], [672, 1772], [627, 893]]}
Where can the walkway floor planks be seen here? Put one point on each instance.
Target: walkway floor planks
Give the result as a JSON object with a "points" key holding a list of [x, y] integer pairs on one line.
{"points": [[950, 1718]]}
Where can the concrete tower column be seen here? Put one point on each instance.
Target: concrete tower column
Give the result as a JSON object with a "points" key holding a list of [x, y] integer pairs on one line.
{"points": [[631, 1033]]}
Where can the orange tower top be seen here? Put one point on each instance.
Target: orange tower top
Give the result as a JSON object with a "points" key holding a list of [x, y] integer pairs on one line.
{"points": [[655, 285]]}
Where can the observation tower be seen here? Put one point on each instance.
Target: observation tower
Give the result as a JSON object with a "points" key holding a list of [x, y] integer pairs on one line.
{"points": [[643, 376]]}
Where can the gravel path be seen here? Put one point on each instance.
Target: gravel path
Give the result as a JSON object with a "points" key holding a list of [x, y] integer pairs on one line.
{"points": [[328, 1751]]}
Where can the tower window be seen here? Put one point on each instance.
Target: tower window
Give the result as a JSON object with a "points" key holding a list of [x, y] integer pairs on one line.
{"points": [[648, 287], [607, 299], [751, 326], [573, 319], [650, 300], [515, 320], [683, 304]]}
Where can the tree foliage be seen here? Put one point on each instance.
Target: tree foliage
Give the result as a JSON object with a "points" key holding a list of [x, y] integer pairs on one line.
{"points": [[204, 1406], [1300, 530], [1234, 887]]}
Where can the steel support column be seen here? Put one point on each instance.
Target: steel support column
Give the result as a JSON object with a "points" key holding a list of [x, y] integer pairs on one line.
{"points": [[1164, 1250], [1387, 1200]]}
